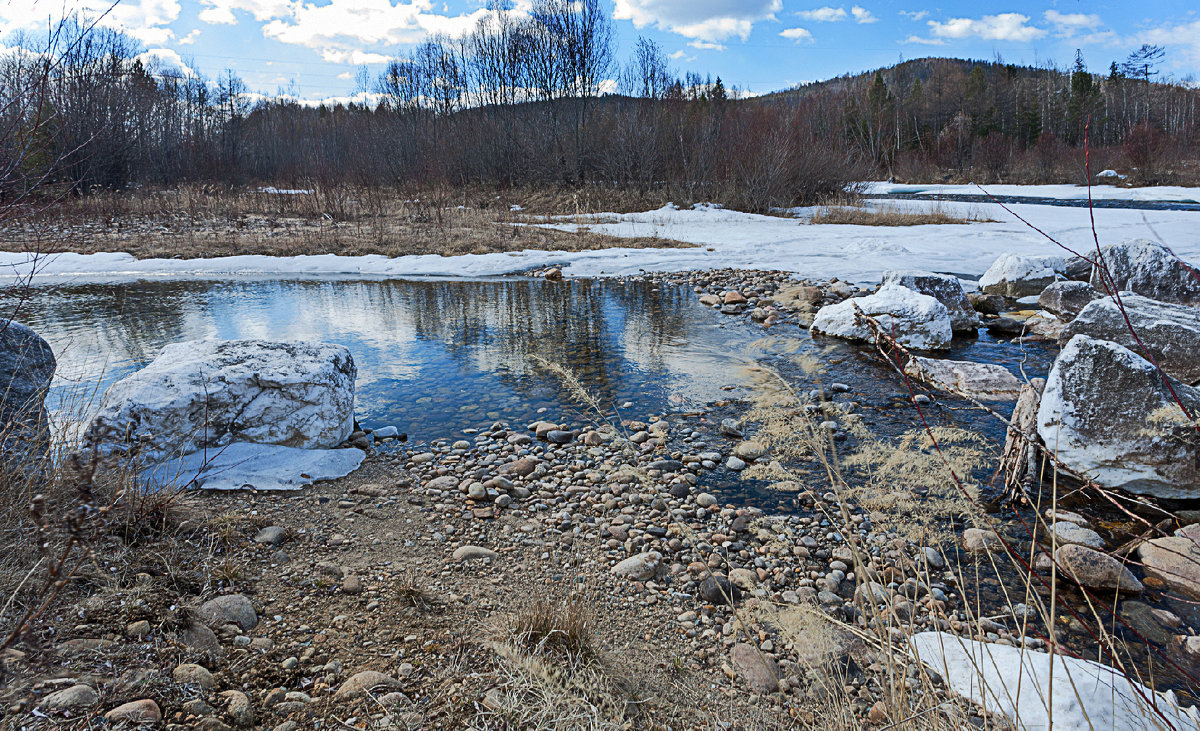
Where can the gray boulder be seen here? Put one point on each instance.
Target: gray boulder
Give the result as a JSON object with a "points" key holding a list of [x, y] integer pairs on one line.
{"points": [[1065, 299], [987, 381], [1170, 332], [1108, 416], [945, 289], [26, 366], [1095, 570], [212, 393], [1149, 269]]}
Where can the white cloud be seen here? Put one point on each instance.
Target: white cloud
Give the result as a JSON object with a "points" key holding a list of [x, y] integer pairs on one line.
{"points": [[706, 45], [924, 41], [353, 56], [823, 15], [799, 35], [145, 20], [1184, 37], [1070, 24], [706, 20], [345, 27], [862, 15], [221, 12], [164, 61], [190, 38], [914, 14], [1002, 27], [682, 54]]}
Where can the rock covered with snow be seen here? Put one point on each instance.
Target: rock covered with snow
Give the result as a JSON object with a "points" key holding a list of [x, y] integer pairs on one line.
{"points": [[1031, 688], [1107, 415], [1065, 299], [207, 394], [1151, 270], [945, 289], [1013, 275], [26, 367], [1170, 332], [918, 320], [986, 381]]}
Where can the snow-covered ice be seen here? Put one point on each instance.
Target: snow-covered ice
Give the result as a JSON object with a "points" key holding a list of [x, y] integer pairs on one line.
{"points": [[722, 238], [244, 465], [1026, 685], [1150, 193]]}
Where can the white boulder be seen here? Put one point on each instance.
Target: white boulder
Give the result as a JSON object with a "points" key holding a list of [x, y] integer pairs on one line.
{"points": [[944, 288], [1170, 332], [1151, 270], [207, 394], [1031, 688], [1106, 413], [917, 320], [1013, 275]]}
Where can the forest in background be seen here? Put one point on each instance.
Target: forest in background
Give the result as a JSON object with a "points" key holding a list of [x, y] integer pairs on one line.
{"points": [[543, 100]]}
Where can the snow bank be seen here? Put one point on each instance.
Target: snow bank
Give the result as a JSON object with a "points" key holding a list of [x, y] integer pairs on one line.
{"points": [[1023, 685], [1155, 193], [722, 238]]}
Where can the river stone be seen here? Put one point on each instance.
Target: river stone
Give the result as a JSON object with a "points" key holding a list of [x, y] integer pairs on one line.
{"points": [[212, 393], [26, 367], [977, 540], [191, 673], [69, 699], [136, 712], [666, 465], [1170, 332], [641, 567], [1107, 415], [760, 672], [238, 707], [229, 609], [1013, 275], [199, 638], [1095, 570], [984, 381], [1065, 532], [1149, 269], [1141, 617], [523, 467], [918, 320], [1175, 560], [558, 436], [988, 304], [944, 288], [366, 681], [469, 553], [719, 590], [1065, 299], [272, 535], [1000, 678]]}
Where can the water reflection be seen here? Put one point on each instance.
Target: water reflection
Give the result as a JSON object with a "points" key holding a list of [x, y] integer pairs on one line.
{"points": [[433, 356]]}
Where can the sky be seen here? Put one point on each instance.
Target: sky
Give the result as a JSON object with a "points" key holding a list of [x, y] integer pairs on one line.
{"points": [[314, 49]]}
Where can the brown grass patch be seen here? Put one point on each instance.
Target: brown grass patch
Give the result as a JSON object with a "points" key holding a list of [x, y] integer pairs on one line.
{"points": [[892, 216], [204, 221]]}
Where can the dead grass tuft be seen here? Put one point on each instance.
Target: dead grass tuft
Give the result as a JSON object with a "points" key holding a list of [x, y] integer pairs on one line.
{"points": [[891, 215], [555, 626]]}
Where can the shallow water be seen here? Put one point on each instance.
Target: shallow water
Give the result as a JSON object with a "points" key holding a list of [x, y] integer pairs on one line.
{"points": [[433, 357]]}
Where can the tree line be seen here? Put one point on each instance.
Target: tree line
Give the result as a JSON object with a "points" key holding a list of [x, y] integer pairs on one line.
{"points": [[540, 99]]}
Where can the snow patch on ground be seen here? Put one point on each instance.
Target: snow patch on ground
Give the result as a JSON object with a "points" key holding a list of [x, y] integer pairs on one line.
{"points": [[243, 465], [1086, 696], [723, 238]]}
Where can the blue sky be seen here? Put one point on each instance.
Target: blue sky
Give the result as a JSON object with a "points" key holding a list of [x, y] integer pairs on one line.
{"points": [[315, 48]]}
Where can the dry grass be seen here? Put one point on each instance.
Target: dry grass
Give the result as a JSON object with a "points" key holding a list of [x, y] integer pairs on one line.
{"points": [[890, 215], [203, 221]]}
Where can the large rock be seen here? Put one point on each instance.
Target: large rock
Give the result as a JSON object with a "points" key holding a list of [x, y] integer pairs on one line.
{"points": [[211, 393], [1031, 688], [1174, 560], [229, 609], [945, 289], [1106, 414], [1170, 332], [1065, 299], [1149, 269], [918, 320], [985, 381], [1013, 275], [641, 567], [26, 367], [760, 671], [1095, 570]]}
